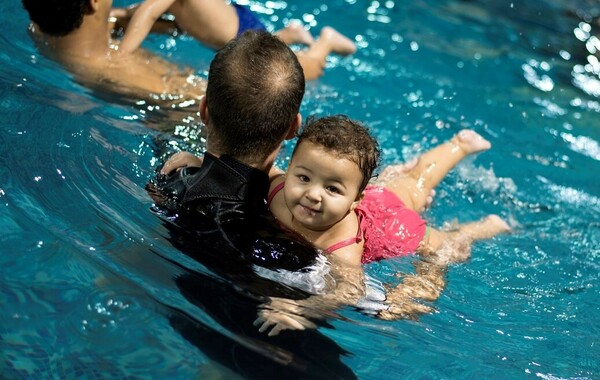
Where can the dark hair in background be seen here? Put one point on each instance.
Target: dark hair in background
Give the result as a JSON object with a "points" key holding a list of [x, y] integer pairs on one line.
{"points": [[57, 17]]}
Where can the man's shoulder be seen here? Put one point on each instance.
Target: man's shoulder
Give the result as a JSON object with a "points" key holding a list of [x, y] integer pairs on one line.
{"points": [[221, 205]]}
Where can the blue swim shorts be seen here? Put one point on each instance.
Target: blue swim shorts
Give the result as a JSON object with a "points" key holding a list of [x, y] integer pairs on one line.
{"points": [[247, 20]]}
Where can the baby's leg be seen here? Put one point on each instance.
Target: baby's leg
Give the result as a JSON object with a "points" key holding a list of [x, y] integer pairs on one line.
{"points": [[330, 41], [413, 187], [455, 246], [485, 228]]}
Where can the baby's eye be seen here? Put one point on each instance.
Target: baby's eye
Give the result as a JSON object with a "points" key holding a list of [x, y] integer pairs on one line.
{"points": [[303, 178], [333, 189]]}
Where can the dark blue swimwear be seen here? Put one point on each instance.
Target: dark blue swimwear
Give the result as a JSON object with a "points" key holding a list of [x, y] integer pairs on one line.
{"points": [[247, 20]]}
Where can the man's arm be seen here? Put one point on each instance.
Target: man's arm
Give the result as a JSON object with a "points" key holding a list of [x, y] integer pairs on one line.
{"points": [[346, 287], [426, 284], [403, 301], [438, 250], [143, 19]]}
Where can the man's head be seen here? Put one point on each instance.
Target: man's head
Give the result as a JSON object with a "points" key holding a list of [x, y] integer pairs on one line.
{"points": [[255, 87], [57, 17]]}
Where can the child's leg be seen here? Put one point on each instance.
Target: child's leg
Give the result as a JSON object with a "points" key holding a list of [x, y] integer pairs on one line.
{"points": [[413, 187], [212, 22], [294, 33], [455, 246], [330, 40]]}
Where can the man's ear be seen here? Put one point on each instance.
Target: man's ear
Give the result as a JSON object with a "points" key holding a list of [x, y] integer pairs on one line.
{"points": [[357, 201], [295, 127], [204, 110]]}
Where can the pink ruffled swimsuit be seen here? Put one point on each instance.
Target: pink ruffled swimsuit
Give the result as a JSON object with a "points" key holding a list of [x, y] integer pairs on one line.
{"points": [[388, 227]]}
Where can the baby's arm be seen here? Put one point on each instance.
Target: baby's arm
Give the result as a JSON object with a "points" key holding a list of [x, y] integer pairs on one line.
{"points": [[141, 23]]}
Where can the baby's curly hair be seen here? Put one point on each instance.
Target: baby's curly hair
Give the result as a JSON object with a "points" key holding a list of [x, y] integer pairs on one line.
{"points": [[345, 138]]}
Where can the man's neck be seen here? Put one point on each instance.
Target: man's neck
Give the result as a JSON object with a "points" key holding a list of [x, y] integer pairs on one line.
{"points": [[89, 41], [264, 165]]}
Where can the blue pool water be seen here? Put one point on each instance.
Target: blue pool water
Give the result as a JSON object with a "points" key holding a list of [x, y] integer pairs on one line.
{"points": [[87, 273]]}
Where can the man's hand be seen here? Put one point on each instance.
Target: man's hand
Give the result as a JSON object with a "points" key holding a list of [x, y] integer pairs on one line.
{"points": [[282, 314], [180, 160], [409, 309]]}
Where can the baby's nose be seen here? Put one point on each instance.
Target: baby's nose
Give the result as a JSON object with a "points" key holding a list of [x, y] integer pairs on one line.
{"points": [[313, 194]]}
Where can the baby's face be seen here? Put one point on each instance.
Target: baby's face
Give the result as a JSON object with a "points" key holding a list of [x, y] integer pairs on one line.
{"points": [[320, 188]]}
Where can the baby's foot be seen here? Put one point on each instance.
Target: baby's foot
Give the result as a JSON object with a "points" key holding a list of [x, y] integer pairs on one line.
{"points": [[294, 33], [496, 225], [340, 44], [471, 142]]}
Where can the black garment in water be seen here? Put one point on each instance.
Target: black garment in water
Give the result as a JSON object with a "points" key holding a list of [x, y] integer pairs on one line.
{"points": [[217, 215]]}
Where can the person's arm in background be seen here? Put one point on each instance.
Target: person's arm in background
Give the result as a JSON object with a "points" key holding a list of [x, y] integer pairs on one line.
{"points": [[120, 18], [143, 18]]}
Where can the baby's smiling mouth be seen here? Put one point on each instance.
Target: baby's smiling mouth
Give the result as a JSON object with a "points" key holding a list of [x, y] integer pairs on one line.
{"points": [[309, 210]]}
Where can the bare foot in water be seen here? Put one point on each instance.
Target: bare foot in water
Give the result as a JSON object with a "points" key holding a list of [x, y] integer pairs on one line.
{"points": [[339, 43], [294, 33], [485, 228], [497, 225], [471, 142]]}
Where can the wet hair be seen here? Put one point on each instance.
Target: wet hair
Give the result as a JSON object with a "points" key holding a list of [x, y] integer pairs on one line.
{"points": [[255, 87], [344, 138], [57, 17]]}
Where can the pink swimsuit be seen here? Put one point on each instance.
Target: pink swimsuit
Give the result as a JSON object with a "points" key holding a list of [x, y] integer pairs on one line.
{"points": [[389, 228]]}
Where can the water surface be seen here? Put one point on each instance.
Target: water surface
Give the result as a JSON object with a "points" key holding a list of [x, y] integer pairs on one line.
{"points": [[87, 272]]}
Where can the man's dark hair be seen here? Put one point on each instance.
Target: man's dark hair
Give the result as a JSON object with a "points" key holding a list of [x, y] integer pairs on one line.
{"points": [[345, 138], [255, 87], [57, 17]]}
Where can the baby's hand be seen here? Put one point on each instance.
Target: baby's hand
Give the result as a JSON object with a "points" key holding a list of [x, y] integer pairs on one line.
{"points": [[180, 160]]}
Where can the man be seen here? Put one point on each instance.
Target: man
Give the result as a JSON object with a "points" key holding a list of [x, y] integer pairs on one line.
{"points": [[255, 87], [251, 106], [216, 22], [77, 34]]}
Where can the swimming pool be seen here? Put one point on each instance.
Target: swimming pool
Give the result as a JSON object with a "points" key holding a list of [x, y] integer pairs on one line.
{"points": [[87, 273]]}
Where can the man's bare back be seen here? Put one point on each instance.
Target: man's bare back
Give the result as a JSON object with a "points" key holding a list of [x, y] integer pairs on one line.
{"points": [[93, 56]]}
